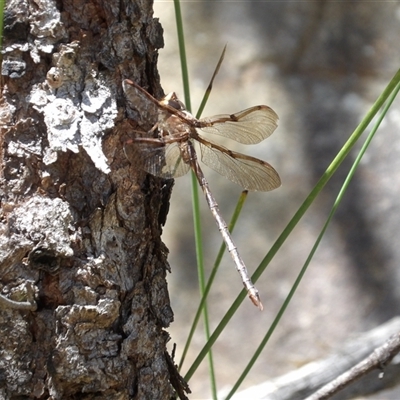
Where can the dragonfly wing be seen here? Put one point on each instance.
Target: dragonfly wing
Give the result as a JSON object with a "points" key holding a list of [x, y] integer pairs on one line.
{"points": [[248, 172], [174, 165], [142, 106], [164, 161], [250, 126]]}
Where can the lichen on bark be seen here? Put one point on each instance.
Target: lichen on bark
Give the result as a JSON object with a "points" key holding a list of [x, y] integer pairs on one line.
{"points": [[80, 225]]}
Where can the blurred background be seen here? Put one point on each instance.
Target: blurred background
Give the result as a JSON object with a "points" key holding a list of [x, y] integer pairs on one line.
{"points": [[320, 65]]}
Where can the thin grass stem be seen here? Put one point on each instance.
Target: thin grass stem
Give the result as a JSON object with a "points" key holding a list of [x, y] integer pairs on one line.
{"points": [[195, 195], [210, 281], [317, 242], [298, 215]]}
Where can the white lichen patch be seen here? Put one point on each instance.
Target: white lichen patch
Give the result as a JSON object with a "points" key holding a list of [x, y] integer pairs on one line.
{"points": [[77, 110], [45, 222]]}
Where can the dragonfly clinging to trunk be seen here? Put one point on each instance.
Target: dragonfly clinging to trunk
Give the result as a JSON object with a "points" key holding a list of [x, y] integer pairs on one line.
{"points": [[171, 153]]}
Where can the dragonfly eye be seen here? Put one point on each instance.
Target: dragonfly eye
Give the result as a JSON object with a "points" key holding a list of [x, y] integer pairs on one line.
{"points": [[171, 100]]}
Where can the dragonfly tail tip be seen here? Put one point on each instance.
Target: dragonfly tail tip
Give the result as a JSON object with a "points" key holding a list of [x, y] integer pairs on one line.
{"points": [[255, 298]]}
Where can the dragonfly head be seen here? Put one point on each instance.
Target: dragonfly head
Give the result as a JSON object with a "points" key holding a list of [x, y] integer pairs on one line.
{"points": [[171, 100]]}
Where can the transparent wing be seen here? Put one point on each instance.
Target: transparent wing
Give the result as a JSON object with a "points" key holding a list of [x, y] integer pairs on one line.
{"points": [[143, 107], [248, 172], [174, 165], [164, 161], [250, 126]]}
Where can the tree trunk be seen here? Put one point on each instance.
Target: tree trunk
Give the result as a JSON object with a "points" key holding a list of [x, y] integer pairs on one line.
{"points": [[84, 298]]}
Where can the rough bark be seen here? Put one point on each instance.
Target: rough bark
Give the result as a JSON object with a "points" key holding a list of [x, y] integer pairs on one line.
{"points": [[82, 265]]}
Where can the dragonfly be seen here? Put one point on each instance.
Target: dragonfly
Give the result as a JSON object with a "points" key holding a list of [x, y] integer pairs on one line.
{"points": [[168, 151]]}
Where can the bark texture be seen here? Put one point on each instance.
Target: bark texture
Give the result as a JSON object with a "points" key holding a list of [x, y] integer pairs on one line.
{"points": [[82, 266]]}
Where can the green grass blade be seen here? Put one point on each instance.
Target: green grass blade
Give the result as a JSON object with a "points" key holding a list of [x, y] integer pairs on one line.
{"points": [[182, 54], [210, 85], [210, 281], [328, 174], [195, 194], [298, 215], [317, 242], [195, 199], [200, 272]]}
